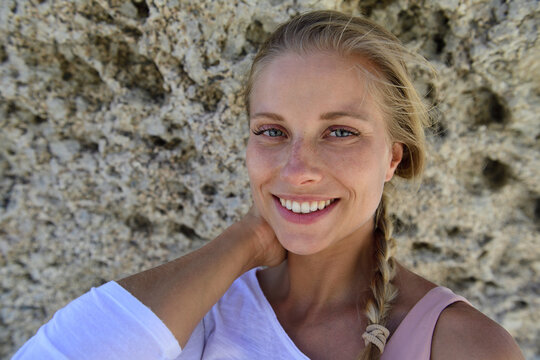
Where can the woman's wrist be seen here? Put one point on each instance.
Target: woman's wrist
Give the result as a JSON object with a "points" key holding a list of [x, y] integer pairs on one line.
{"points": [[241, 241]]}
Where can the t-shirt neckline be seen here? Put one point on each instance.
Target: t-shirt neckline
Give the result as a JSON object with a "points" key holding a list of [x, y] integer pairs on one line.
{"points": [[280, 331], [272, 317]]}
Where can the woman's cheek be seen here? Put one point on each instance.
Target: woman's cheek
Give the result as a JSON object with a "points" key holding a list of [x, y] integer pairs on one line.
{"points": [[259, 171], [261, 160]]}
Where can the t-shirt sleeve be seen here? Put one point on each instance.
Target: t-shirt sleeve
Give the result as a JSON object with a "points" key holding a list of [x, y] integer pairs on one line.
{"points": [[105, 323]]}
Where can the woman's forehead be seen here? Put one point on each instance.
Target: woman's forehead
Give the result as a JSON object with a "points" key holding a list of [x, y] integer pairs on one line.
{"points": [[325, 81]]}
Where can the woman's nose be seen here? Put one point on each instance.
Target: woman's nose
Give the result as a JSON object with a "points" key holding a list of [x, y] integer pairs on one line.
{"points": [[302, 165]]}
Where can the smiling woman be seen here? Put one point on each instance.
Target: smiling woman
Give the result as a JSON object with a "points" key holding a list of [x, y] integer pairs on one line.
{"points": [[333, 118], [300, 105]]}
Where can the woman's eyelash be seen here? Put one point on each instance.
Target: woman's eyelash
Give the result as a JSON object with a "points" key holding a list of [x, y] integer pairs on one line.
{"points": [[272, 132], [340, 132]]}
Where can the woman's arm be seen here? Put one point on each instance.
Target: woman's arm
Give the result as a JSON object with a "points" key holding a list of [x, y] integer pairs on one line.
{"points": [[110, 322], [462, 332], [182, 291]]}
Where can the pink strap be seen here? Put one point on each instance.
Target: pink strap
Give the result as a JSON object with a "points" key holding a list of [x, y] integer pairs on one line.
{"points": [[412, 338]]}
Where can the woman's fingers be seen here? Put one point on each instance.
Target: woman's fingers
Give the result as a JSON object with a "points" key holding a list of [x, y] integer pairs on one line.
{"points": [[269, 251]]}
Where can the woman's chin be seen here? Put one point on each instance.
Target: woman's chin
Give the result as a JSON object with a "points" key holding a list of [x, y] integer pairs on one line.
{"points": [[301, 245]]}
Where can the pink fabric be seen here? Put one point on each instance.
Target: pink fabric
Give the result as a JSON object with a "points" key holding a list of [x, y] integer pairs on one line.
{"points": [[412, 338]]}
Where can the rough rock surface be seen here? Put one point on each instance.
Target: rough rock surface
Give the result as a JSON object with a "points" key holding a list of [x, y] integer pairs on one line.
{"points": [[123, 133]]}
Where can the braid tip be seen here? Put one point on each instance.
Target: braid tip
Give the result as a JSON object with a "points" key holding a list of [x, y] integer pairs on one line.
{"points": [[377, 335]]}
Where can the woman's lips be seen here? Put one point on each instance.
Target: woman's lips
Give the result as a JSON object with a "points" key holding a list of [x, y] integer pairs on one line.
{"points": [[307, 216]]}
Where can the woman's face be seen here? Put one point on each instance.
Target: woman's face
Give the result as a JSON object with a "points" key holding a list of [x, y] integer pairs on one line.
{"points": [[319, 146]]}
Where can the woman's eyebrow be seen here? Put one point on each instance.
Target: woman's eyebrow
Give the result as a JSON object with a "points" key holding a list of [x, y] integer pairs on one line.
{"points": [[339, 114], [267, 115], [325, 116]]}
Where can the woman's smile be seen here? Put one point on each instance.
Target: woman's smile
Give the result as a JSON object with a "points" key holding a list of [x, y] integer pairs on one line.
{"points": [[303, 212], [318, 152], [304, 207]]}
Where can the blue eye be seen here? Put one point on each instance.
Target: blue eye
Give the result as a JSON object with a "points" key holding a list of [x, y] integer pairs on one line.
{"points": [[274, 132], [269, 132], [342, 133]]}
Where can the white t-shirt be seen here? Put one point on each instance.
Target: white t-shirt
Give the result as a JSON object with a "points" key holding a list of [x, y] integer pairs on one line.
{"points": [[109, 323]]}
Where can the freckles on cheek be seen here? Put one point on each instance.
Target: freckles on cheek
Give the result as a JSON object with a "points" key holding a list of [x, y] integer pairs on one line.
{"points": [[347, 163], [256, 162]]}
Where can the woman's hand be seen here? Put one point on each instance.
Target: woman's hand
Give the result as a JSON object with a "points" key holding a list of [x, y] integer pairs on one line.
{"points": [[266, 247]]}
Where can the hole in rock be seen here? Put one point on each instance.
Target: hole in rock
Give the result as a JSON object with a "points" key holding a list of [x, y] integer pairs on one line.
{"points": [[536, 212], [173, 143], [402, 228], [440, 43], [3, 54], [485, 240], [449, 59], [4, 203], [209, 190], [67, 76], [142, 8], [462, 284], [399, 226], [520, 304], [133, 32], [425, 247], [537, 209], [441, 21], [158, 141], [139, 223], [497, 110], [407, 19], [11, 108], [188, 232], [89, 146], [132, 70], [209, 96], [489, 108], [39, 120], [496, 173], [453, 231], [366, 7], [255, 33]]}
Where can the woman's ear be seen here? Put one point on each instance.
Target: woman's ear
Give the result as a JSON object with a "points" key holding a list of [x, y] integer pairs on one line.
{"points": [[395, 159]]}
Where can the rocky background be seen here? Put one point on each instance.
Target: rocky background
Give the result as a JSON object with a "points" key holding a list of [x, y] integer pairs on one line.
{"points": [[123, 134]]}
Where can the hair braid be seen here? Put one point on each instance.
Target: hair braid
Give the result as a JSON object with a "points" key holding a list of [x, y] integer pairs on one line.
{"points": [[383, 291]]}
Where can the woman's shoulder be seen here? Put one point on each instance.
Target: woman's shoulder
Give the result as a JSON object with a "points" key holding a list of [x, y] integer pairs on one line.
{"points": [[463, 332]]}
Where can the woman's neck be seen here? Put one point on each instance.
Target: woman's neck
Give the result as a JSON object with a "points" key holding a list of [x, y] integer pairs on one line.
{"points": [[337, 276]]}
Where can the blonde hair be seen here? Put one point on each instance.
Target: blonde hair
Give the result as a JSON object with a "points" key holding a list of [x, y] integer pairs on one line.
{"points": [[406, 115]]}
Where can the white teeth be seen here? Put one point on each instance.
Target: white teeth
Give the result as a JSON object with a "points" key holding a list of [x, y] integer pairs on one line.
{"points": [[304, 207]]}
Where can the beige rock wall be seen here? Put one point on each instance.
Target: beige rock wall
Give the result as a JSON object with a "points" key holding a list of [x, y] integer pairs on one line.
{"points": [[122, 144]]}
